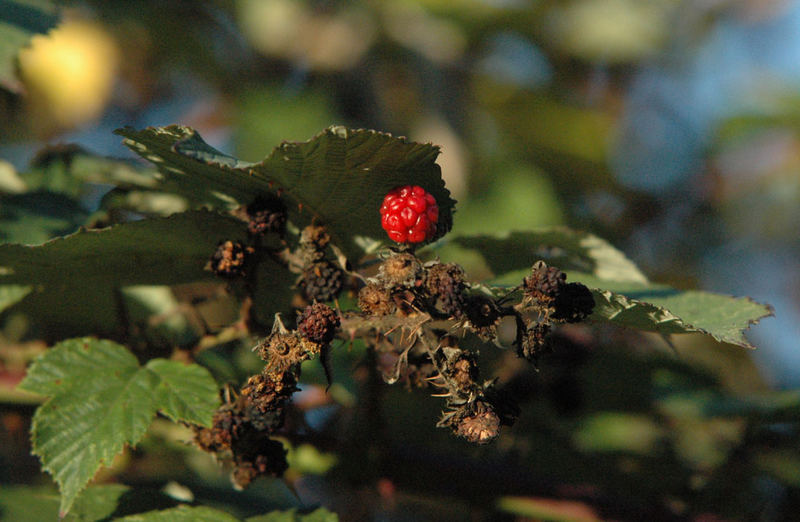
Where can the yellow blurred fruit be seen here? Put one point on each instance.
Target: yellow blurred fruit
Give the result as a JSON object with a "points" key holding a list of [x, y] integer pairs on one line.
{"points": [[69, 73]]}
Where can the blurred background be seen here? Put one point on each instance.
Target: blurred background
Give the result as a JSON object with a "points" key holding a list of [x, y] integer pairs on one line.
{"points": [[670, 128]]}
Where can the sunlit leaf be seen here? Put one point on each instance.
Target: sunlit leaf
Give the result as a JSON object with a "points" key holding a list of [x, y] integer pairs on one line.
{"points": [[338, 178], [100, 399]]}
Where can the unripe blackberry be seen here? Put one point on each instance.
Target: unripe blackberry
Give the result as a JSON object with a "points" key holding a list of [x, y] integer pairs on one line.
{"points": [[265, 215], [574, 303], [375, 300], [544, 283], [231, 259], [318, 323], [321, 281], [409, 214], [445, 284], [402, 269]]}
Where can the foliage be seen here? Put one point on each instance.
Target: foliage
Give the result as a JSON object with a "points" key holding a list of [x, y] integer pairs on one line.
{"points": [[607, 395], [100, 399]]}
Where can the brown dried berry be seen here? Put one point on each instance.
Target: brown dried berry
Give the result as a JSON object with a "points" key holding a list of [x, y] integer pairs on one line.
{"points": [[264, 398], [375, 300], [574, 303], [401, 269], [281, 351], [445, 284], [231, 259], [480, 426], [533, 341], [313, 240], [321, 281], [318, 323], [544, 283], [266, 214]]}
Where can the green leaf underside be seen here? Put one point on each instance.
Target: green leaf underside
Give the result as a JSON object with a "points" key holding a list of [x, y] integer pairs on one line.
{"points": [[567, 249], [75, 278], [622, 294], [19, 21], [182, 514], [338, 178], [101, 400]]}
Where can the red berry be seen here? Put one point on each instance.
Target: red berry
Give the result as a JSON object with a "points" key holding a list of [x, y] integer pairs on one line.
{"points": [[409, 214]]}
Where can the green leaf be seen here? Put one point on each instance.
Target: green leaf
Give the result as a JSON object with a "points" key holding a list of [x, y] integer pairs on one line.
{"points": [[182, 514], [76, 278], [622, 294], [510, 256], [291, 515], [338, 178], [67, 169], [28, 504], [10, 294], [19, 21], [35, 217], [100, 399], [662, 309]]}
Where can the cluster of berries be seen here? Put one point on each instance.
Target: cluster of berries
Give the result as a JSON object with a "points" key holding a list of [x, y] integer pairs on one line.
{"points": [[244, 428]]}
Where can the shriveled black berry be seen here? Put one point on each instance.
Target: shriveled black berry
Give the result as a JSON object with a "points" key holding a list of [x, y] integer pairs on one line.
{"points": [[445, 284], [318, 323], [231, 259], [375, 300], [574, 303], [255, 456], [544, 283], [264, 398], [481, 311], [402, 269], [266, 214], [321, 281]]}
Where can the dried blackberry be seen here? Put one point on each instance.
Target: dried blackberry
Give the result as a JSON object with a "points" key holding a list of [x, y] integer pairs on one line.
{"points": [[313, 240], [573, 304], [266, 214], [318, 323], [477, 422], [264, 398], [375, 300], [445, 284], [544, 283], [282, 351], [256, 455], [481, 311], [401, 269], [219, 436], [321, 281], [231, 259], [533, 341]]}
